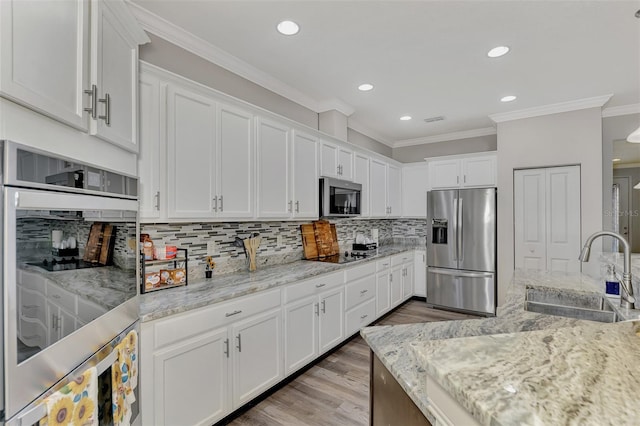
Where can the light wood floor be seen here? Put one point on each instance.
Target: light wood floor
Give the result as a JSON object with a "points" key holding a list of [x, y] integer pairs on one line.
{"points": [[335, 391]]}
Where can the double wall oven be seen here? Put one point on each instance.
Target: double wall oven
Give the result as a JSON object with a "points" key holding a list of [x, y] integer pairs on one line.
{"points": [[69, 281]]}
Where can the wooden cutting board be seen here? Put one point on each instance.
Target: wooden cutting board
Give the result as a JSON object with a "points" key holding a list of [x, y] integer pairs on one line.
{"points": [[324, 237], [335, 248], [309, 241], [108, 240], [94, 243]]}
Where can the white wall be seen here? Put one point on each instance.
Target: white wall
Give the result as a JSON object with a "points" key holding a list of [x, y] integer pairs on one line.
{"points": [[417, 153], [558, 139], [366, 142]]}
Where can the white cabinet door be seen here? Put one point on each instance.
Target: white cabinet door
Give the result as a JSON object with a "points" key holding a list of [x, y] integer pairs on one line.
{"points": [[331, 326], [395, 279], [444, 174], [407, 280], [300, 333], [273, 170], [191, 381], [394, 191], [530, 219], [257, 359], [480, 171], [235, 163], [383, 293], [361, 176], [191, 136], [305, 176], [114, 69], [329, 165], [45, 57], [151, 147], [378, 193], [415, 184], [345, 163], [420, 273]]}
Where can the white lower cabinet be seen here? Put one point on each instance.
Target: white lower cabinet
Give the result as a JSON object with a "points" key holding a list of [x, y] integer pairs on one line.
{"points": [[331, 314], [383, 293], [420, 273], [301, 333], [407, 281], [395, 282]]}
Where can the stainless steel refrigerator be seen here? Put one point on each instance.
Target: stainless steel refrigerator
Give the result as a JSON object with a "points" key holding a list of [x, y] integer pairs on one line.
{"points": [[461, 249]]}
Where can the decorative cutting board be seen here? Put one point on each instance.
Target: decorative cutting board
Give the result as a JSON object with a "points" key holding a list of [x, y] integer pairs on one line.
{"points": [[335, 248], [309, 241], [108, 240], [94, 243]]}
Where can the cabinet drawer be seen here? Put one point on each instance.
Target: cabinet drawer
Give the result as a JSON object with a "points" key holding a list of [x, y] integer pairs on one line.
{"points": [[360, 271], [383, 264], [401, 258], [174, 329], [33, 305], [31, 281], [61, 297], [360, 316], [88, 311], [360, 290], [313, 286]]}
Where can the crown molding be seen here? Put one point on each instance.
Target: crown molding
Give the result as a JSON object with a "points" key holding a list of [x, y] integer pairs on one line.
{"points": [[124, 15], [367, 131], [464, 134], [576, 105], [621, 110], [194, 44]]}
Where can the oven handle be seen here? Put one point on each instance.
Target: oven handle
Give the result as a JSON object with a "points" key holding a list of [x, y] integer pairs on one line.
{"points": [[44, 200]]}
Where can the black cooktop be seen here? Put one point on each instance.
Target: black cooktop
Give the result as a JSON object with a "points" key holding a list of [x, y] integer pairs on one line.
{"points": [[52, 264], [346, 257]]}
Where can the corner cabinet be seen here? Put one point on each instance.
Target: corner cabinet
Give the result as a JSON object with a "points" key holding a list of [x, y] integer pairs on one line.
{"points": [[90, 55], [467, 172], [415, 184]]}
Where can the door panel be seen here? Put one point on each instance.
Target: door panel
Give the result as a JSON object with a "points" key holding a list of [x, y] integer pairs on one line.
{"points": [[442, 252], [331, 329], [273, 170], [300, 335], [563, 218], [471, 291], [305, 176], [477, 229], [529, 219]]}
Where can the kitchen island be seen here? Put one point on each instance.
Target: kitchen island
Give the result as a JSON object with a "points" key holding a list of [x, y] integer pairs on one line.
{"points": [[520, 367]]}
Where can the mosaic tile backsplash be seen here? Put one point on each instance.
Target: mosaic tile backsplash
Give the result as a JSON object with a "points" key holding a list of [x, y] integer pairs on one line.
{"points": [[229, 258]]}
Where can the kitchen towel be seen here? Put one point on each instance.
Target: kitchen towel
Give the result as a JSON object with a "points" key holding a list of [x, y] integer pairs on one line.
{"points": [[75, 404], [124, 377]]}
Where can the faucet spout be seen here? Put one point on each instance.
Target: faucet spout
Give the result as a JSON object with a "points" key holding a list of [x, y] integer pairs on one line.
{"points": [[627, 298]]}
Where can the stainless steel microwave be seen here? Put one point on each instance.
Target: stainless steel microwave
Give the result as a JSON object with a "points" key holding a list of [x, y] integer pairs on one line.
{"points": [[339, 198]]}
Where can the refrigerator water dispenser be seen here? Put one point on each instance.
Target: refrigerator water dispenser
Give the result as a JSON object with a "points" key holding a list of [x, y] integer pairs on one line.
{"points": [[439, 229]]}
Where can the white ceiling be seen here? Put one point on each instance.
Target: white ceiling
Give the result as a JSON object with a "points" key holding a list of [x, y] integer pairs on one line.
{"points": [[427, 58]]}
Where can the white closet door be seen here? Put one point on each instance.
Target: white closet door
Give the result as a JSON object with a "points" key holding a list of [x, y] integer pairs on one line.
{"points": [[530, 219], [563, 218]]}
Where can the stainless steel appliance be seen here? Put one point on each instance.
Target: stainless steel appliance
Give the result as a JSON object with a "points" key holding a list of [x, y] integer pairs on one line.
{"points": [[58, 316], [339, 198], [461, 249]]}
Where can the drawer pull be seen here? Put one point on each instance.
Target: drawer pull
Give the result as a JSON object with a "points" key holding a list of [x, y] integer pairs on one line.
{"points": [[385, 264], [320, 285], [30, 306], [363, 316], [232, 313], [55, 296], [364, 291], [33, 336]]}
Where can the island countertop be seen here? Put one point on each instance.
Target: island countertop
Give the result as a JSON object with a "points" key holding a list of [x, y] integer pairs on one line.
{"points": [[563, 370]]}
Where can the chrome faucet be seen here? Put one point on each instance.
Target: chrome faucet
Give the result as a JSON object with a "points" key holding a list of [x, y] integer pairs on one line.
{"points": [[627, 299]]}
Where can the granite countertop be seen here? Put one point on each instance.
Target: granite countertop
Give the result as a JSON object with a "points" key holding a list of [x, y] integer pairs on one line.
{"points": [[101, 285], [205, 292], [521, 367]]}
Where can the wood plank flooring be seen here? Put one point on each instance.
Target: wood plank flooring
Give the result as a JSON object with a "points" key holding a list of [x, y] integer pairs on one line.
{"points": [[335, 391]]}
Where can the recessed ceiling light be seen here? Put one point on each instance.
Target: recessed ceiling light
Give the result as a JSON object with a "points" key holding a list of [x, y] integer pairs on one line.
{"points": [[496, 52], [365, 87], [615, 159], [405, 118], [508, 98], [288, 28]]}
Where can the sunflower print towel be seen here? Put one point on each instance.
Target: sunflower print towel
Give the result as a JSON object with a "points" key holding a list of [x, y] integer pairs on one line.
{"points": [[124, 376], [75, 404]]}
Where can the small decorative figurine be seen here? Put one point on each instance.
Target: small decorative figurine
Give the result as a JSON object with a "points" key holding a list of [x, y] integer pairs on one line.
{"points": [[208, 268]]}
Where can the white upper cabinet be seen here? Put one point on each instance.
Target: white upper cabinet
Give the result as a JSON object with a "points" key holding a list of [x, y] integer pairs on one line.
{"points": [[235, 166], [336, 161], [274, 199], [191, 156], [361, 176], [152, 147], [415, 184], [44, 50], [62, 59], [378, 184], [467, 172], [394, 191], [305, 175]]}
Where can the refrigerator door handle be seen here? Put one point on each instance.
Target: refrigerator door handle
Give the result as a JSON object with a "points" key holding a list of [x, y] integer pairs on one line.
{"points": [[454, 244], [459, 273], [460, 255]]}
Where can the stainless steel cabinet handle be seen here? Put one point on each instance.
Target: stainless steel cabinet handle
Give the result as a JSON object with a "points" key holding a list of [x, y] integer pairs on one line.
{"points": [[457, 179], [464, 179], [157, 198], [93, 94], [385, 264], [221, 204], [297, 206], [290, 206], [226, 344], [320, 285], [29, 306], [363, 316], [316, 307], [324, 306], [230, 314], [363, 291], [215, 203], [391, 278], [107, 109], [55, 296], [239, 343]]}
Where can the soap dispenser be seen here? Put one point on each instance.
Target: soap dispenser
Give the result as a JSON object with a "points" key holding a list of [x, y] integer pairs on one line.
{"points": [[612, 284]]}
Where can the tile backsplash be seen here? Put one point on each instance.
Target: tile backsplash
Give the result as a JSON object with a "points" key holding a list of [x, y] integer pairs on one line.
{"points": [[229, 258]]}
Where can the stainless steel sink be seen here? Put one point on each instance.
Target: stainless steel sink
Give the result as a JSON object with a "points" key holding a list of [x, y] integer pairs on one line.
{"points": [[571, 305]]}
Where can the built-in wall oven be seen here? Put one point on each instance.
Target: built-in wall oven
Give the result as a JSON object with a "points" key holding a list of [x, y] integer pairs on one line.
{"points": [[69, 258]]}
